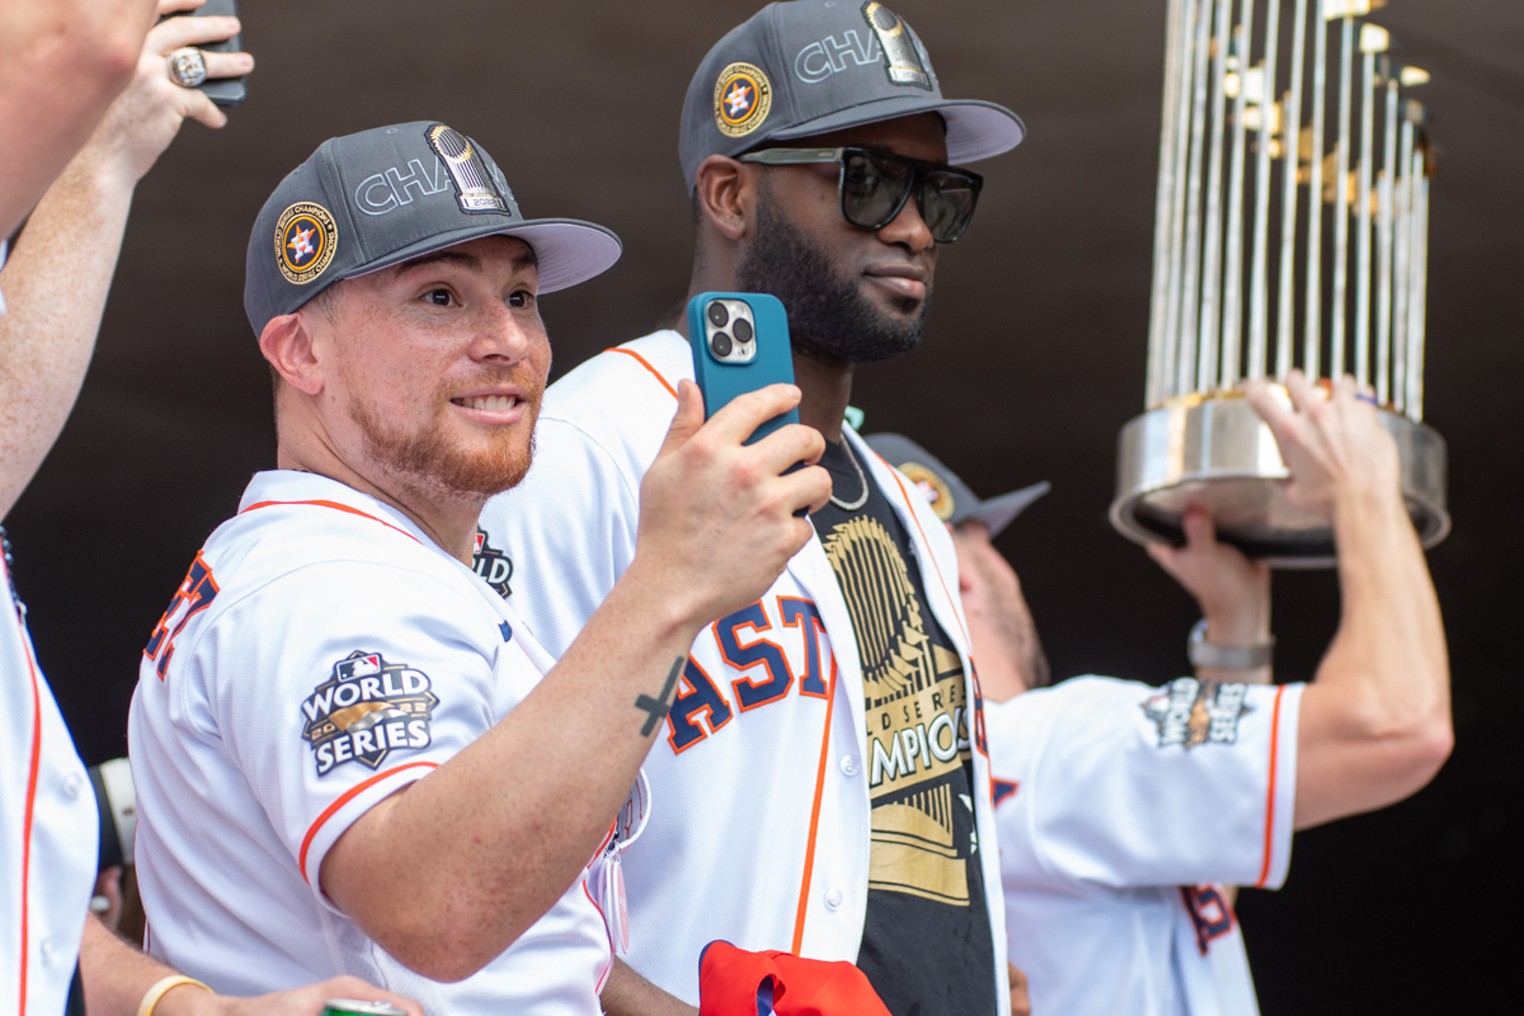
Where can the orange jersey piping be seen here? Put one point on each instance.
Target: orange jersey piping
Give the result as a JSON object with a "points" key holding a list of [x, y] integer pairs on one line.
{"points": [[1275, 737], [336, 506], [809, 847], [343, 799], [31, 805], [647, 365]]}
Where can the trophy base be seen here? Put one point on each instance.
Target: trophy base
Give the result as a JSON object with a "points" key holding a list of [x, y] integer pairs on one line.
{"points": [[1215, 452]]}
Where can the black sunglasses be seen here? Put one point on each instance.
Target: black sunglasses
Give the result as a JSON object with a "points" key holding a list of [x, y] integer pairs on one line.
{"points": [[875, 185]]}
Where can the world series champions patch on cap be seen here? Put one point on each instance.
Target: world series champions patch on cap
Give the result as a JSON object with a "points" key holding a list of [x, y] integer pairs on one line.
{"points": [[742, 99], [306, 239], [933, 486]]}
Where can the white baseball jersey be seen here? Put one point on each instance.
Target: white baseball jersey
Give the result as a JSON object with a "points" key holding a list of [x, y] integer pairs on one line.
{"points": [[1121, 808], [322, 654], [51, 831], [759, 813]]}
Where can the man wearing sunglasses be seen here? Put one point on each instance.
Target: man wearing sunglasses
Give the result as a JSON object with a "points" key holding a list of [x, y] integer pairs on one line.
{"points": [[818, 788]]}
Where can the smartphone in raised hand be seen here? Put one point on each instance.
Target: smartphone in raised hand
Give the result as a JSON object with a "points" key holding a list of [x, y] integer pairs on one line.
{"points": [[222, 91], [740, 343]]}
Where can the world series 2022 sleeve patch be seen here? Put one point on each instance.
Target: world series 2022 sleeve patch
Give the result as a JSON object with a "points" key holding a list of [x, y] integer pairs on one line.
{"points": [[1189, 713], [365, 710]]}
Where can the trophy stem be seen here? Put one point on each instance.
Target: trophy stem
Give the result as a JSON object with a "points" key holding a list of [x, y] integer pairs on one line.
{"points": [[1164, 210], [1340, 262], [1259, 284], [1211, 291], [1314, 315], [1291, 141], [1384, 244]]}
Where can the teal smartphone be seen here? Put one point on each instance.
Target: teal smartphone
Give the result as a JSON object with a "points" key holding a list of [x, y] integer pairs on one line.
{"points": [[740, 343]]}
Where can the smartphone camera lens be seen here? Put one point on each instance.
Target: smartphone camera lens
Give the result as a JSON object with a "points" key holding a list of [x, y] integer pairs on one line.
{"points": [[718, 315], [743, 330], [720, 343]]}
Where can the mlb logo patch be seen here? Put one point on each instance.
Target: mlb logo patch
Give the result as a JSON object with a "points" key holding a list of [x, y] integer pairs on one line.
{"points": [[360, 666]]}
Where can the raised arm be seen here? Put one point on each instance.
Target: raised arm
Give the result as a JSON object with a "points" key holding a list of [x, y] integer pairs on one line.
{"points": [[528, 802], [61, 64], [1232, 592], [56, 280], [1375, 724]]}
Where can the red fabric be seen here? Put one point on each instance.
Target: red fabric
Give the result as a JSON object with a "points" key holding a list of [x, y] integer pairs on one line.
{"points": [[736, 982]]}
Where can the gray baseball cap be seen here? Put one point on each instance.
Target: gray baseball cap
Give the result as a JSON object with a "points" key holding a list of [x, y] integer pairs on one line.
{"points": [[805, 67], [951, 499], [374, 199]]}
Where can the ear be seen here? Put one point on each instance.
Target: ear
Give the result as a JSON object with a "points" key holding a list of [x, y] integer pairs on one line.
{"points": [[723, 190], [287, 342]]}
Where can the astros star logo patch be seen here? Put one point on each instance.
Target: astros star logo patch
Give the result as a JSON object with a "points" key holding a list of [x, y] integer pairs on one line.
{"points": [[742, 99], [300, 244], [738, 100], [306, 239]]}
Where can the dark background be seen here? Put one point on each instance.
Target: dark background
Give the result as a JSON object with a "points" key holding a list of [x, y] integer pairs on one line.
{"points": [[1033, 360]]}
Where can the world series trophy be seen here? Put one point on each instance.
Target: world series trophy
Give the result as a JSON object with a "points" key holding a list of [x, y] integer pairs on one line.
{"points": [[1291, 231]]}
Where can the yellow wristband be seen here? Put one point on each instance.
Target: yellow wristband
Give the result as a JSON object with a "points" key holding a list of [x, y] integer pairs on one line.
{"points": [[162, 987]]}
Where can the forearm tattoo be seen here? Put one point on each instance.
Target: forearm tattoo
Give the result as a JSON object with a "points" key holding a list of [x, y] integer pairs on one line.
{"points": [[656, 708]]}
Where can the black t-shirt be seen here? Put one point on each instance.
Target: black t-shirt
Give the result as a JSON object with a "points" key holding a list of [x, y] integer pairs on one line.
{"points": [[926, 942]]}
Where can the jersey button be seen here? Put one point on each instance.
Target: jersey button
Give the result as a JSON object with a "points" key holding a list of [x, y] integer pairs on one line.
{"points": [[849, 765], [72, 784], [833, 899]]}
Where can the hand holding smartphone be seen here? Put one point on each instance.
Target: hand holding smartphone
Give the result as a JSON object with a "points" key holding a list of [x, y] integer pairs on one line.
{"points": [[740, 343], [222, 91]]}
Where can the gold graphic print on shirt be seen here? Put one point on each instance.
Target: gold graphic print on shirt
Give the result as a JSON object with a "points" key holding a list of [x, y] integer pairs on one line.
{"points": [[917, 720]]}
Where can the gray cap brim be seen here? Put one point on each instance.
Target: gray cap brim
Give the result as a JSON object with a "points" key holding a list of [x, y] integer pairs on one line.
{"points": [[999, 512], [952, 500], [567, 251], [975, 129]]}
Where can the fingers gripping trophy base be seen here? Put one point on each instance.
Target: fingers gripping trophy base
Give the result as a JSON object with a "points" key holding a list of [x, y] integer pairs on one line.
{"points": [[1214, 452]]}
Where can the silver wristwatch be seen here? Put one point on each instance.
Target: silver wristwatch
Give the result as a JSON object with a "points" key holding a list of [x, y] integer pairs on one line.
{"points": [[1202, 653]]}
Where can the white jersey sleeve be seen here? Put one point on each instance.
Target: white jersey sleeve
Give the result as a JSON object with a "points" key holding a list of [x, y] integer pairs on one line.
{"points": [[1119, 805], [1121, 784], [312, 664], [360, 640]]}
